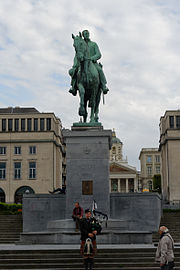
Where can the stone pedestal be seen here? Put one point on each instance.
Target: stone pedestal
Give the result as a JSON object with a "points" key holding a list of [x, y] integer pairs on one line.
{"points": [[87, 167], [132, 216]]}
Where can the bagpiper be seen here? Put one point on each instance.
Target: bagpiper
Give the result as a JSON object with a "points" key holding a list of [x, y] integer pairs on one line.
{"points": [[89, 228]]}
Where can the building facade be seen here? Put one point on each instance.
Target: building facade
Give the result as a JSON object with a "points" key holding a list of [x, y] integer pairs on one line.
{"points": [[170, 155], [150, 160], [31, 152], [123, 177]]}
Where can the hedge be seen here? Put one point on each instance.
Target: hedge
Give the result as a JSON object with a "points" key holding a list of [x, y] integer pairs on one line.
{"points": [[167, 210], [10, 209]]}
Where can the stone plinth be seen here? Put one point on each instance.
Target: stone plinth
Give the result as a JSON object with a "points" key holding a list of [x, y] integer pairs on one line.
{"points": [[87, 167], [142, 211], [39, 209]]}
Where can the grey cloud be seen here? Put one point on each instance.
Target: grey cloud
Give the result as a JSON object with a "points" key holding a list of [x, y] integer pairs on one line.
{"points": [[139, 43]]}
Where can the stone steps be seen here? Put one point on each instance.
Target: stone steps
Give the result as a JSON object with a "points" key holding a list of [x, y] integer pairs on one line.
{"points": [[172, 221], [10, 228], [126, 258]]}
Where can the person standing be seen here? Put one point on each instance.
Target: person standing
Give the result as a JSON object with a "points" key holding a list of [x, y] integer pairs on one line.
{"points": [[164, 252], [77, 214], [89, 228]]}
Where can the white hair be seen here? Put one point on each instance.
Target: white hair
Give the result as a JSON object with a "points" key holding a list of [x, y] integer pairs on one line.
{"points": [[163, 229]]}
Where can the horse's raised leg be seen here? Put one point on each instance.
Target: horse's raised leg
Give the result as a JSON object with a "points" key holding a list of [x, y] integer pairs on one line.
{"points": [[81, 94]]}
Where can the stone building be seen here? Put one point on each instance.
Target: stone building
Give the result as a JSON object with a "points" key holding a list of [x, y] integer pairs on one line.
{"points": [[170, 155], [123, 177], [30, 152], [150, 161]]}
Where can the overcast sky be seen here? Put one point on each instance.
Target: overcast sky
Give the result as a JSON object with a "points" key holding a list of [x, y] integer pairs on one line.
{"points": [[139, 41]]}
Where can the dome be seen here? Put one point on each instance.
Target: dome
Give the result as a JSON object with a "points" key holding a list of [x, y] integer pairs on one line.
{"points": [[115, 139]]}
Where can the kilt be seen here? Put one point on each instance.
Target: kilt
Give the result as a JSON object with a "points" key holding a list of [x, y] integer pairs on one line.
{"points": [[92, 254]]}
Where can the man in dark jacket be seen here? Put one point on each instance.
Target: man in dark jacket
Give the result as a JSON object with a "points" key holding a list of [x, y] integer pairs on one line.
{"points": [[89, 229]]}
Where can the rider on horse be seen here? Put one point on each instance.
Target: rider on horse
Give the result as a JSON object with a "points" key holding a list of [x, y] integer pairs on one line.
{"points": [[94, 54]]}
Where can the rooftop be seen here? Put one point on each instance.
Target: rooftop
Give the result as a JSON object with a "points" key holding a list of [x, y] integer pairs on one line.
{"points": [[18, 110]]}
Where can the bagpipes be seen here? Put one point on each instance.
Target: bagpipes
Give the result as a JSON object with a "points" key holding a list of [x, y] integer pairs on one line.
{"points": [[98, 215]]}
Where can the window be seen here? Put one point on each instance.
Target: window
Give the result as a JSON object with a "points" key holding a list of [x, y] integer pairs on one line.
{"points": [[42, 124], [158, 169], [32, 170], [9, 124], [2, 150], [157, 158], [178, 121], [149, 170], [35, 124], [17, 150], [114, 185], [114, 150], [32, 149], [48, 122], [2, 170], [171, 121], [149, 159], [23, 125], [17, 170], [16, 125], [3, 124], [29, 124]]}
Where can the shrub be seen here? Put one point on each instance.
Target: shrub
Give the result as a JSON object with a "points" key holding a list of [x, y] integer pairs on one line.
{"points": [[10, 209]]}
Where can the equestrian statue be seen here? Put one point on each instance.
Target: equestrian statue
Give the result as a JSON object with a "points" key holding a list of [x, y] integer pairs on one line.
{"points": [[87, 76]]}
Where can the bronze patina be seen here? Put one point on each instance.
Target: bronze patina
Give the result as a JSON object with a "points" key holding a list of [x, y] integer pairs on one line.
{"points": [[87, 76]]}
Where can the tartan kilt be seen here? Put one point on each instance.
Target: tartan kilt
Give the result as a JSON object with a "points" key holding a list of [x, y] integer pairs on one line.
{"points": [[85, 256]]}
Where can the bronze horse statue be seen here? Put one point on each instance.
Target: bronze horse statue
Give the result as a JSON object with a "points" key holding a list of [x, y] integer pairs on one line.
{"points": [[88, 81]]}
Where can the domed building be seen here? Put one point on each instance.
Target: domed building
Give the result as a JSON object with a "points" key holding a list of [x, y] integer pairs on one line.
{"points": [[123, 177], [116, 149]]}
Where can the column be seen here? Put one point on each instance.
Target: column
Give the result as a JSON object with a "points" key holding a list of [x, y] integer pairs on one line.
{"points": [[38, 124], [45, 124], [119, 185], [25, 124], [32, 124], [135, 185], [127, 186], [19, 124]]}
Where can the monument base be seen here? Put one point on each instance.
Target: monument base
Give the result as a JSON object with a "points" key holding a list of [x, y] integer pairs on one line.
{"points": [[63, 232], [133, 218], [92, 125]]}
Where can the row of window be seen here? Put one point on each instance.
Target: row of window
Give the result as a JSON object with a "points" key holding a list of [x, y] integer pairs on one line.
{"points": [[149, 170], [17, 150], [171, 121], [149, 159], [26, 124], [17, 170]]}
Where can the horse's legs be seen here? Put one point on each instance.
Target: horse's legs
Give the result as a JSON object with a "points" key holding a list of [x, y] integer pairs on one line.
{"points": [[92, 119], [85, 107], [81, 94], [98, 96]]}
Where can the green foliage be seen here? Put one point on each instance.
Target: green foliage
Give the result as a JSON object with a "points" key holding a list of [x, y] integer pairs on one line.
{"points": [[157, 183], [171, 210], [10, 209]]}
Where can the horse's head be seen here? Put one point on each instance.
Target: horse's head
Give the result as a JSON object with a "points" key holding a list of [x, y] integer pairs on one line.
{"points": [[79, 45]]}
